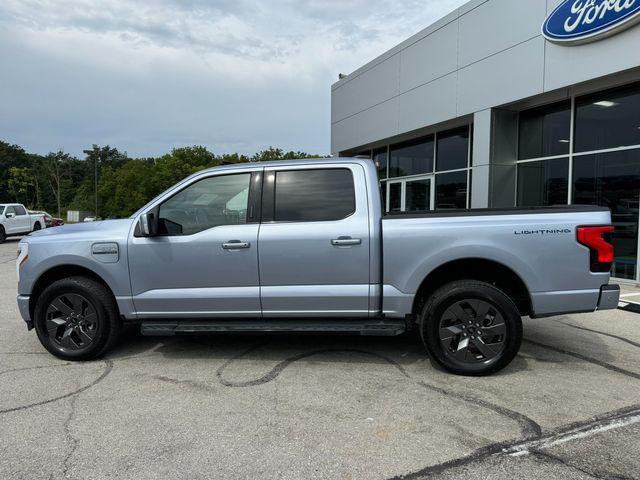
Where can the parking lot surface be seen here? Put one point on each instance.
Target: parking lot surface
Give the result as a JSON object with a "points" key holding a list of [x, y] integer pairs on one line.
{"points": [[320, 407]]}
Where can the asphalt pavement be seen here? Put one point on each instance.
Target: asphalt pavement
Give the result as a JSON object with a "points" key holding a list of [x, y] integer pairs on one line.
{"points": [[320, 407]]}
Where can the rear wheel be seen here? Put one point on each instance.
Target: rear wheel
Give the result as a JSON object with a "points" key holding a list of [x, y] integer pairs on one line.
{"points": [[471, 328], [37, 226], [77, 319]]}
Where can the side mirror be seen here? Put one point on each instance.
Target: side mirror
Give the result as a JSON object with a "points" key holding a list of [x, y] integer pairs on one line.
{"points": [[148, 225], [10, 215]]}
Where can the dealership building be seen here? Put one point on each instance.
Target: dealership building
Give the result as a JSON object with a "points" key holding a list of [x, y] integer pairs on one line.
{"points": [[486, 108]]}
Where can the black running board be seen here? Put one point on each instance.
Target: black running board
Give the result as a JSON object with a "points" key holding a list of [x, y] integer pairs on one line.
{"points": [[368, 327]]}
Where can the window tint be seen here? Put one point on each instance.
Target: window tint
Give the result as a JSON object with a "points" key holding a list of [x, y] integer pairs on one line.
{"points": [[418, 195], [543, 183], [453, 150], [314, 195], [395, 197], [208, 203], [613, 180], [608, 120], [411, 158], [451, 190], [545, 131], [380, 159], [19, 209]]}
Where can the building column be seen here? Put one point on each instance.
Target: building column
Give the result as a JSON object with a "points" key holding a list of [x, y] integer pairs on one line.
{"points": [[495, 148]]}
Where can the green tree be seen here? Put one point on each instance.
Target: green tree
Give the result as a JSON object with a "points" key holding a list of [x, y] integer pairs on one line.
{"points": [[19, 183]]}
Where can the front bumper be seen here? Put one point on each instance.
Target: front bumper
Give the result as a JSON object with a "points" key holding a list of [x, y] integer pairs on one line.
{"points": [[609, 297], [23, 306]]}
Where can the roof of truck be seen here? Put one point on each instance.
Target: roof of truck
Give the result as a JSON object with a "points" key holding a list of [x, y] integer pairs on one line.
{"points": [[285, 163]]}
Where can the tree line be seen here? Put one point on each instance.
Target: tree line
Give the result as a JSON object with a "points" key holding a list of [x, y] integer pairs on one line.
{"points": [[58, 182]]}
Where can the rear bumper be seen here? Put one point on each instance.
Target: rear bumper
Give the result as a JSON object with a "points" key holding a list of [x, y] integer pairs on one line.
{"points": [[609, 297], [23, 306]]}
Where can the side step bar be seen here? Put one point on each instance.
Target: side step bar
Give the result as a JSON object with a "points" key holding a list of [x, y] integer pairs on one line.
{"points": [[368, 327]]}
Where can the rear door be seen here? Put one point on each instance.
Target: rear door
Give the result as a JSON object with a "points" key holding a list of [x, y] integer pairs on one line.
{"points": [[314, 242]]}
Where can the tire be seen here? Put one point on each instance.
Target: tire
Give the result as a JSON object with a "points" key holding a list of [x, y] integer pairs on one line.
{"points": [[36, 226], [471, 328], [3, 235], [77, 318]]}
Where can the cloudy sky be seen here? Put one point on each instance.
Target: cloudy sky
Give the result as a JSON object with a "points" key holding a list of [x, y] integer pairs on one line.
{"points": [[148, 76]]}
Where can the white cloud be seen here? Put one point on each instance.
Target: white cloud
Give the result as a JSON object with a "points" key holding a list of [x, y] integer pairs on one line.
{"points": [[146, 76]]}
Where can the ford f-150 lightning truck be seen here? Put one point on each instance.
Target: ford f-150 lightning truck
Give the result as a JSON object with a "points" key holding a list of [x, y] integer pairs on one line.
{"points": [[304, 246]]}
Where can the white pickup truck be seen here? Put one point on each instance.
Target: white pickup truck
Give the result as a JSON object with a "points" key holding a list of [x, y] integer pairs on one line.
{"points": [[15, 220]]}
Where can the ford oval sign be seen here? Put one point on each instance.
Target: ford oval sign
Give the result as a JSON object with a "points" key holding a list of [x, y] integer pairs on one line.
{"points": [[581, 21]]}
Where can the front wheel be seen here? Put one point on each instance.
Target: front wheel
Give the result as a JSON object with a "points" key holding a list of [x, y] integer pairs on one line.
{"points": [[3, 235], [77, 318], [471, 328]]}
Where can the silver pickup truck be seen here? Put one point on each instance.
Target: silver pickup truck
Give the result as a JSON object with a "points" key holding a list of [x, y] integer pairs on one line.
{"points": [[303, 246]]}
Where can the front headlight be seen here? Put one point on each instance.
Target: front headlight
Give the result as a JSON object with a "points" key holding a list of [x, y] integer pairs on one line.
{"points": [[23, 256]]}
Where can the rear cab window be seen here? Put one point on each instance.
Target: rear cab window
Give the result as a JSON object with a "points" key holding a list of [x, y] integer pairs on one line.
{"points": [[312, 195]]}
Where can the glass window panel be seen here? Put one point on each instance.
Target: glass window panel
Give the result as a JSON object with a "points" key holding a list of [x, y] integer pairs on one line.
{"points": [[608, 120], [543, 183], [453, 150], [383, 193], [545, 131], [395, 197], [380, 159], [411, 158], [314, 195], [451, 190], [418, 195], [208, 203], [613, 180]]}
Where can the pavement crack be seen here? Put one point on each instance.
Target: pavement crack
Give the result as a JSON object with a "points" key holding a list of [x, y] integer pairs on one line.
{"points": [[528, 427], [585, 358], [108, 366], [72, 442], [559, 460], [622, 339], [22, 369]]}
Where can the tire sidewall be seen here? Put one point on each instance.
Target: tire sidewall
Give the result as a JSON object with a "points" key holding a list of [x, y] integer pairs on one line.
{"points": [[50, 293], [3, 235], [450, 294]]}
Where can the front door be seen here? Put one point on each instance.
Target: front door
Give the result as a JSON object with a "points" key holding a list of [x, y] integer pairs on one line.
{"points": [[314, 242], [204, 262]]}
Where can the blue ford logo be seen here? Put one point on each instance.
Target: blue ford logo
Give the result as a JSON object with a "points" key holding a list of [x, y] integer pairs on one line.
{"points": [[581, 21]]}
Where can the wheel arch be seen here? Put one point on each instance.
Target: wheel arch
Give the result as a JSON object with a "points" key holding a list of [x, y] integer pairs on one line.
{"points": [[490, 271], [59, 272]]}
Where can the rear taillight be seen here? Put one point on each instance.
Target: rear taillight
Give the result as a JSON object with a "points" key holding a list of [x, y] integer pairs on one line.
{"points": [[598, 241]]}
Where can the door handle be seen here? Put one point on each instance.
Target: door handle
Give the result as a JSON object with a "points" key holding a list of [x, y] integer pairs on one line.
{"points": [[345, 241], [235, 245]]}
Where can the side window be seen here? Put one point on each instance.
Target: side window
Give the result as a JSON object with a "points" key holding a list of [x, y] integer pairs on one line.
{"points": [[10, 210], [20, 210], [208, 203], [314, 195]]}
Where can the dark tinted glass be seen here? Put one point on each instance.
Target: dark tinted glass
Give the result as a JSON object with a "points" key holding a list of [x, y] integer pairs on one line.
{"points": [[380, 159], [608, 120], [314, 195], [613, 180], [20, 210], [451, 190], [545, 131], [453, 150], [418, 196], [411, 158], [395, 197], [543, 183], [383, 193]]}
